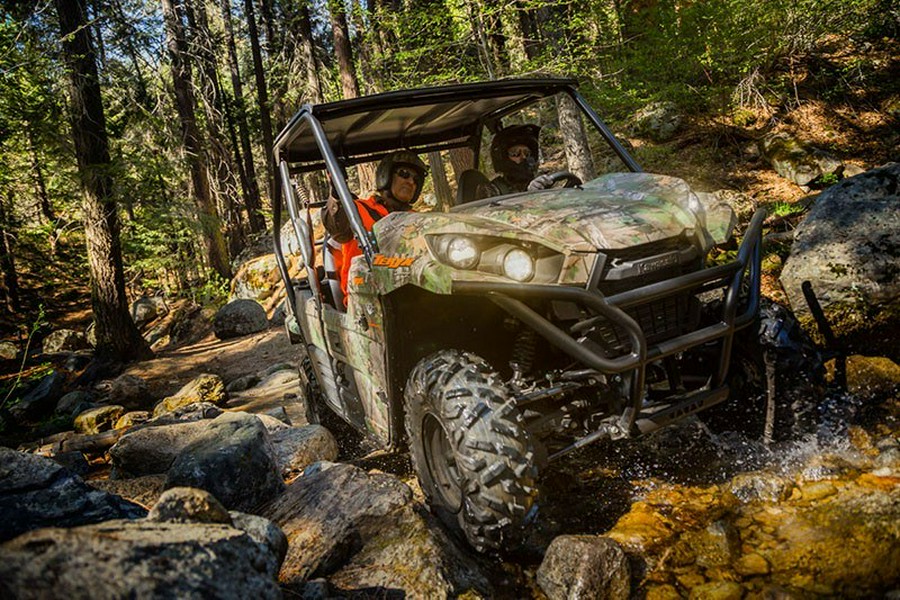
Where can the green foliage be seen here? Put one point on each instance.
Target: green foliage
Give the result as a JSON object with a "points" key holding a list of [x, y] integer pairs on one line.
{"points": [[213, 292], [784, 209], [33, 374]]}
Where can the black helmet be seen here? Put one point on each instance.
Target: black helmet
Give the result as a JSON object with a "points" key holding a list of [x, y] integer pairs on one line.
{"points": [[402, 157], [527, 135]]}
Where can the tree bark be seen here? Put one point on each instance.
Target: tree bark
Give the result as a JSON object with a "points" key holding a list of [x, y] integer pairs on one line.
{"points": [[184, 102], [10, 286], [578, 150], [46, 207], [308, 50], [439, 178], [117, 336], [251, 197], [349, 85], [265, 119], [528, 25]]}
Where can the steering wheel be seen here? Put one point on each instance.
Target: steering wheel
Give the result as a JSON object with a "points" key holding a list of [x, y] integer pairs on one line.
{"points": [[568, 178]]}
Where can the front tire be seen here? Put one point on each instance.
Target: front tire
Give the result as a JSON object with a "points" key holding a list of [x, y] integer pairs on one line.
{"points": [[470, 449]]}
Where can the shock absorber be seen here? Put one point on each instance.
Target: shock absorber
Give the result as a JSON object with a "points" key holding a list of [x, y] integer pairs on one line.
{"points": [[523, 354]]}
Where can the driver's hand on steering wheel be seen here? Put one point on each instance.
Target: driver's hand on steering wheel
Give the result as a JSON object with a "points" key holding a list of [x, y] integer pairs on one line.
{"points": [[541, 182]]}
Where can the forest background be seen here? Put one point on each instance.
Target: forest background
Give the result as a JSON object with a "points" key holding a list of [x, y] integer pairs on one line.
{"points": [[134, 134]]}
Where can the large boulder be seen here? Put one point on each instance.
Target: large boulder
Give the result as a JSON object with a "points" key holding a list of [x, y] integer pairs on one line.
{"points": [[233, 459], [798, 162], [41, 399], [129, 391], [37, 492], [152, 450], [659, 121], [240, 317], [847, 247], [298, 447], [204, 388], [256, 279], [64, 340], [138, 559], [584, 566], [96, 420], [148, 308], [361, 531], [74, 403]]}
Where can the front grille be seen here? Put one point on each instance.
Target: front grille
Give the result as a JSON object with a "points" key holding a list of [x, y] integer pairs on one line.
{"points": [[672, 244], [659, 320]]}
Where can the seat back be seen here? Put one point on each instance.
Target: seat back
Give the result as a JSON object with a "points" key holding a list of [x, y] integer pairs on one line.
{"points": [[469, 183], [332, 258]]}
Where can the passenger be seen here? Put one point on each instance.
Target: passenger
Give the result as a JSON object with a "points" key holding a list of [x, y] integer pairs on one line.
{"points": [[398, 181], [514, 155]]}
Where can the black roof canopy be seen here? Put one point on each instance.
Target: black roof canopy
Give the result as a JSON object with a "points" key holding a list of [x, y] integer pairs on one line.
{"points": [[418, 119]]}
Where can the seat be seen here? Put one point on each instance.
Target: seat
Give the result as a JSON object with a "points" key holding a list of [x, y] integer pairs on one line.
{"points": [[332, 258], [468, 186]]}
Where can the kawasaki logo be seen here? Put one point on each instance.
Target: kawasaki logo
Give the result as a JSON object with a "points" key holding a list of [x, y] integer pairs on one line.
{"points": [[655, 264]]}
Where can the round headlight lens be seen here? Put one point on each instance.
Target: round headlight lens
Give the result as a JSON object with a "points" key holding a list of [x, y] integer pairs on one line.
{"points": [[518, 265], [462, 253]]}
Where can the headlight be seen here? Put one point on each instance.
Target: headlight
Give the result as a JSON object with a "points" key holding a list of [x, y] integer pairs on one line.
{"points": [[462, 253], [518, 265]]}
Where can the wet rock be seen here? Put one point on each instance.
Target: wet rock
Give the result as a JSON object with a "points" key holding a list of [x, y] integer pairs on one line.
{"points": [[130, 419], [298, 447], [717, 590], [752, 564], [827, 466], [152, 450], [659, 121], [36, 492], [760, 486], [580, 566], [95, 420], [713, 546], [64, 340], [240, 317], [41, 399], [848, 247], [139, 559], [74, 403], [188, 505], [204, 388], [798, 162], [129, 391], [360, 531], [233, 459]]}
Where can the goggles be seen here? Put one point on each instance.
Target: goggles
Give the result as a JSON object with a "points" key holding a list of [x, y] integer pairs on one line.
{"points": [[519, 152], [405, 173]]}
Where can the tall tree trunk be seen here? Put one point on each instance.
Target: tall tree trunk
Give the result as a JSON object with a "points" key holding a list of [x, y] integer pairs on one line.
{"points": [[251, 198], [496, 40], [528, 25], [213, 100], [578, 151], [308, 50], [184, 102], [350, 87], [461, 159], [117, 336], [439, 178], [46, 207], [265, 119], [10, 287]]}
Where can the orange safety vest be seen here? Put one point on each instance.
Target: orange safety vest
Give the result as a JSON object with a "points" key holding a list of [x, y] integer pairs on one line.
{"points": [[370, 210]]}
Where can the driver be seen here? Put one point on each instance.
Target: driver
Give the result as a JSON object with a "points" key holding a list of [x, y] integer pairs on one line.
{"points": [[398, 181], [514, 155]]}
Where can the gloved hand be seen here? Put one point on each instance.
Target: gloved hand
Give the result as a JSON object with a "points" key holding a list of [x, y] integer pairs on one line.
{"points": [[541, 182]]}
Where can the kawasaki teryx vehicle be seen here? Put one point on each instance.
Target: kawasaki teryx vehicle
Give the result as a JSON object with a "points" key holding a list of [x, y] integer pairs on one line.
{"points": [[493, 336]]}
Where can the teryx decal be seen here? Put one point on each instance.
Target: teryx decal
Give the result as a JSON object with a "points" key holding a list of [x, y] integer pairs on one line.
{"points": [[392, 262]]}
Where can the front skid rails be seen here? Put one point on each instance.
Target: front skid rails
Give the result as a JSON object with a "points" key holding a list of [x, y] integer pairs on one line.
{"points": [[730, 277]]}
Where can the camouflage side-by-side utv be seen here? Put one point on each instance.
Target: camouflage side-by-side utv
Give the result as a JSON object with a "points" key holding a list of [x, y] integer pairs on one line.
{"points": [[493, 336]]}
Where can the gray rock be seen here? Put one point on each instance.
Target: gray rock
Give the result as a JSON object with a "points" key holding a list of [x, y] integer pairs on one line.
{"points": [[74, 403], [242, 383], [146, 309], [659, 121], [847, 247], [8, 351], [232, 459], [262, 530], [151, 450], [279, 314], [40, 400], [361, 530], [240, 317], [138, 559], [64, 340], [129, 391], [272, 424], [36, 492], [298, 447], [96, 420], [145, 490], [188, 505], [278, 367], [798, 162], [279, 413], [583, 566], [74, 461], [204, 388], [196, 411]]}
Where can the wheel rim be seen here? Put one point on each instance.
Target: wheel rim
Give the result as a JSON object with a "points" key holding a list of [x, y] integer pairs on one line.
{"points": [[442, 468]]}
